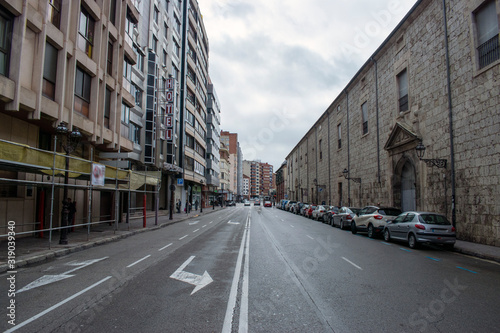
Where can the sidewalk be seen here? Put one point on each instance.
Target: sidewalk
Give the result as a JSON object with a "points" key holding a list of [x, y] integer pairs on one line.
{"points": [[31, 250]]}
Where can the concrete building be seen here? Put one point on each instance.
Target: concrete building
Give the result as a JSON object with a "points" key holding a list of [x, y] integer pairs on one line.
{"points": [[246, 187], [230, 140], [433, 83], [224, 192], [281, 183], [213, 145], [260, 178]]}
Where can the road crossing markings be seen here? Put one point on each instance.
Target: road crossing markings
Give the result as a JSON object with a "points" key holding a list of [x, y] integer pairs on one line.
{"points": [[163, 248], [26, 322], [352, 263], [183, 237], [138, 261], [465, 269]]}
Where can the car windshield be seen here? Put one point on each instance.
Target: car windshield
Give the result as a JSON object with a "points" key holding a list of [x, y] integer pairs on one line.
{"points": [[389, 211], [433, 219], [353, 210]]}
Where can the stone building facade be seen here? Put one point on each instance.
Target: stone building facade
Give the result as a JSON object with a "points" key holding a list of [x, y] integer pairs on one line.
{"points": [[419, 89]]}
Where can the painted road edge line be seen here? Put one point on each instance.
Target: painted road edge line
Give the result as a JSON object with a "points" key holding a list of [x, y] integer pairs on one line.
{"points": [[163, 248], [352, 263], [138, 261], [26, 322]]}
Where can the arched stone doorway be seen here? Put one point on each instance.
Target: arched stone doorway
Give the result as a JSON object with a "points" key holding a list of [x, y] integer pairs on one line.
{"points": [[408, 185]]}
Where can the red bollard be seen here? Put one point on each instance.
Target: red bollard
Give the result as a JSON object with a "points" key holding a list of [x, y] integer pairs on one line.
{"points": [[144, 212]]}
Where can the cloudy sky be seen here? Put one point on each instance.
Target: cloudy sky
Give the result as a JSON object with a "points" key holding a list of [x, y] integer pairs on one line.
{"points": [[277, 65]]}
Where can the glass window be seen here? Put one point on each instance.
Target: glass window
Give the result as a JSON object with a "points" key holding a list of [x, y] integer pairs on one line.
{"points": [[112, 11], [339, 136], [107, 107], [54, 13], [82, 92], [487, 34], [403, 91], [110, 58], [5, 41], [364, 116], [125, 113], [49, 71], [86, 32]]}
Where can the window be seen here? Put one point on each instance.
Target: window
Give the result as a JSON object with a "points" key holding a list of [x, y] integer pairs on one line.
{"points": [[137, 93], [135, 133], [156, 14], [49, 72], [82, 92], [125, 114], [129, 25], [155, 44], [164, 58], [339, 136], [140, 61], [403, 90], [486, 20], [5, 41], [189, 141], [320, 150], [107, 107], [110, 58], [54, 13], [86, 33], [165, 30], [127, 70], [112, 11], [364, 115]]}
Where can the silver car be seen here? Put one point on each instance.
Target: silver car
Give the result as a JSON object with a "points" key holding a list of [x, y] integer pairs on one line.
{"points": [[344, 217], [421, 227]]}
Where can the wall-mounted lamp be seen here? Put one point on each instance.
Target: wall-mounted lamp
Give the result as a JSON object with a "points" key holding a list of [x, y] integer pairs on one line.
{"points": [[346, 176], [420, 150]]}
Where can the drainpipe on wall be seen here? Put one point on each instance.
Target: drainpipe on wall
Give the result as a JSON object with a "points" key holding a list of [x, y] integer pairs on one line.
{"points": [[450, 117], [348, 150], [378, 126]]}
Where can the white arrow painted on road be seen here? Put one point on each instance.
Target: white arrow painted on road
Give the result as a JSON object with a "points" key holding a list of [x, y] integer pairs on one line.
{"points": [[46, 279], [199, 281]]}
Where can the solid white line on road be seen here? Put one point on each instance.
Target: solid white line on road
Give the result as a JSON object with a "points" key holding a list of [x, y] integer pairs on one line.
{"points": [[196, 230], [163, 248], [138, 261], [310, 237], [26, 322], [352, 263], [231, 304], [183, 237], [243, 327]]}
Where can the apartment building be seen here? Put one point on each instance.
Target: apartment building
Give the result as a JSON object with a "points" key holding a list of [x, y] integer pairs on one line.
{"points": [[213, 145], [230, 140], [417, 126], [260, 178], [224, 192]]}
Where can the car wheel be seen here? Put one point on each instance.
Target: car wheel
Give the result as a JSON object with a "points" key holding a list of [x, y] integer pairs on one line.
{"points": [[412, 241], [371, 232], [387, 235], [341, 224], [353, 228]]}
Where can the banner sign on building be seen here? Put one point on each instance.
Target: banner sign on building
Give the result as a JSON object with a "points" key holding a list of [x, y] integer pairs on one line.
{"points": [[170, 99], [98, 172]]}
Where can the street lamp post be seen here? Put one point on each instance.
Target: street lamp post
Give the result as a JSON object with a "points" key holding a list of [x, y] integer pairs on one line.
{"points": [[420, 149], [69, 142]]}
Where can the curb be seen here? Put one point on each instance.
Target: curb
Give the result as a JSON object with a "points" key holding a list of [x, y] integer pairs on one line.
{"points": [[39, 258], [477, 254]]}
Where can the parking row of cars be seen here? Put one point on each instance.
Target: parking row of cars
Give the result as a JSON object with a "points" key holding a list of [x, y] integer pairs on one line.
{"points": [[413, 227]]}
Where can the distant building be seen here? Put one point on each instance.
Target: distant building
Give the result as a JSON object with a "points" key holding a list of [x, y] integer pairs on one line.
{"points": [[260, 178]]}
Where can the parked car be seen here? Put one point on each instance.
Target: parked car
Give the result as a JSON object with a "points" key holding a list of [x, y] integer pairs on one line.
{"points": [[344, 217], [288, 204], [268, 203], [330, 212], [318, 212], [309, 210], [421, 227], [247, 203], [298, 207], [303, 209], [372, 219], [256, 202], [283, 204], [230, 203]]}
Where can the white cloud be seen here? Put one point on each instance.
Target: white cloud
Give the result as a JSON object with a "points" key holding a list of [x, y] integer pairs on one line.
{"points": [[277, 63]]}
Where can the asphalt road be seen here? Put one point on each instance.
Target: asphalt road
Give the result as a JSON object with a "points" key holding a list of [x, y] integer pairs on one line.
{"points": [[255, 269]]}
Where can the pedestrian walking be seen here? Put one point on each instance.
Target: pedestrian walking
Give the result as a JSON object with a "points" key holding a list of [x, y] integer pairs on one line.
{"points": [[196, 205]]}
